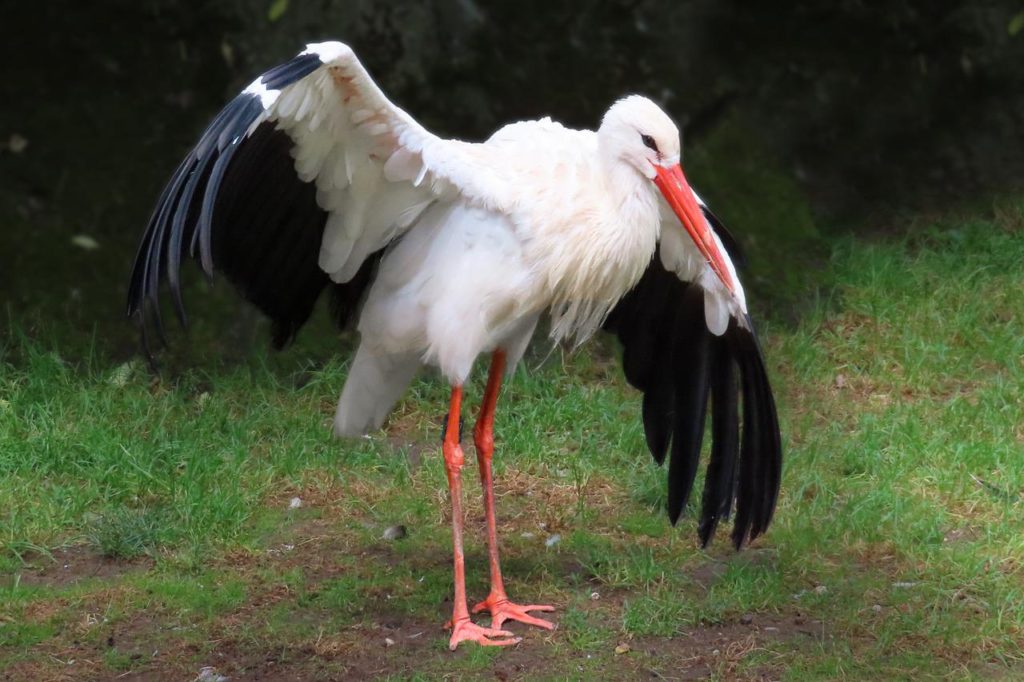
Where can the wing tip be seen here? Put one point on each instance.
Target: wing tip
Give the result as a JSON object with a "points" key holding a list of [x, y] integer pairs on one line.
{"points": [[173, 217], [762, 451]]}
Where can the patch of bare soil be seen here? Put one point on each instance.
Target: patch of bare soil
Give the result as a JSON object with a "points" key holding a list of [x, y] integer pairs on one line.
{"points": [[69, 565], [720, 648], [394, 646], [153, 645]]}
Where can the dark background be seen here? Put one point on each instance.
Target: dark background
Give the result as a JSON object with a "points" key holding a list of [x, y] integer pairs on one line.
{"points": [[801, 120]]}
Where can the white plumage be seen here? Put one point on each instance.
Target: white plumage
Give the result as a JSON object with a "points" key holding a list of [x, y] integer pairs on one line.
{"points": [[539, 217]]}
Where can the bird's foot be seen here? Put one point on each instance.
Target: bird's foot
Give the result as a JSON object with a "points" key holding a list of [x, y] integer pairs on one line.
{"points": [[501, 609], [464, 629]]}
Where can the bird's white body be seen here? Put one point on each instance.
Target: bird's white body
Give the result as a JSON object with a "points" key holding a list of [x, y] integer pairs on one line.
{"points": [[475, 273], [538, 218], [571, 240]]}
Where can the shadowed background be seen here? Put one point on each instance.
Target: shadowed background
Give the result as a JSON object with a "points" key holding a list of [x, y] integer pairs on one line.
{"points": [[799, 120]]}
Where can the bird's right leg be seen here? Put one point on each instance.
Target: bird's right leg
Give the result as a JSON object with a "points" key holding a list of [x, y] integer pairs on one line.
{"points": [[462, 627]]}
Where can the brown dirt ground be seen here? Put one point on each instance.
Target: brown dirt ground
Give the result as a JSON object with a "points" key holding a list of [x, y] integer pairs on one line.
{"points": [[157, 648], [73, 564]]}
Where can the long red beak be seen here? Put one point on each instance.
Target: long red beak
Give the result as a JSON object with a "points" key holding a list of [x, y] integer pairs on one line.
{"points": [[673, 185]]}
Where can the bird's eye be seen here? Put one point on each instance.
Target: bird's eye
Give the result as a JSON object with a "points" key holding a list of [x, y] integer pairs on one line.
{"points": [[648, 141]]}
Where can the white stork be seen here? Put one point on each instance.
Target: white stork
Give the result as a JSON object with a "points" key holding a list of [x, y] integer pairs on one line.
{"points": [[311, 179]]}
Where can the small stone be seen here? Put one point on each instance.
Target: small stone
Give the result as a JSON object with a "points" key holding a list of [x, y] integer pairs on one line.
{"points": [[295, 503], [85, 242], [820, 589], [120, 376], [553, 540], [840, 381], [595, 595], [622, 649], [388, 641], [17, 143], [395, 533], [747, 618], [903, 585], [877, 608], [527, 535]]}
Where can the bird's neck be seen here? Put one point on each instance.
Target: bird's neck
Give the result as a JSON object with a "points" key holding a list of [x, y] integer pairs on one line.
{"points": [[632, 197]]}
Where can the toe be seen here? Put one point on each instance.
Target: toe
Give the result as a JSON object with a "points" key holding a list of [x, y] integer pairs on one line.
{"points": [[469, 631], [538, 622], [499, 642], [494, 631]]}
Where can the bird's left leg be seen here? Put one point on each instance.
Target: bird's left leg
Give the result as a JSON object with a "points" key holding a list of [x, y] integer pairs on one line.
{"points": [[497, 602], [462, 627]]}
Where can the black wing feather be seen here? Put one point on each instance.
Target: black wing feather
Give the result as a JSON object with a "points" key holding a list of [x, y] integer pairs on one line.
{"points": [[669, 354], [690, 374], [646, 317], [236, 204], [720, 480]]}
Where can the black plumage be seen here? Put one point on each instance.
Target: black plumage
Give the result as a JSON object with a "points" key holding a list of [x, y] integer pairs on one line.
{"points": [[669, 355], [236, 204]]}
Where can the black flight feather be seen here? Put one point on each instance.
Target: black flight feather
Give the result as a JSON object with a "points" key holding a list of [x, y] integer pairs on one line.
{"points": [[720, 479], [669, 354], [690, 372]]}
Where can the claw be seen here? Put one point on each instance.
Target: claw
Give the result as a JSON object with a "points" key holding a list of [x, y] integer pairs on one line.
{"points": [[468, 630], [501, 609]]}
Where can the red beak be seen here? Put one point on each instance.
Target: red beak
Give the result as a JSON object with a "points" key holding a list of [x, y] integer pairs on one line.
{"points": [[673, 185]]}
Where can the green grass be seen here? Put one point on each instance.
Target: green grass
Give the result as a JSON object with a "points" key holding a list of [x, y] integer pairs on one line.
{"points": [[897, 549]]}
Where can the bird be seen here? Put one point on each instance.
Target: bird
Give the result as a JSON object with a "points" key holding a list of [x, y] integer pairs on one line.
{"points": [[439, 251]]}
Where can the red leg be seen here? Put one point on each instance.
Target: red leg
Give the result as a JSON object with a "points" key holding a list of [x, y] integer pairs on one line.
{"points": [[497, 602], [462, 627]]}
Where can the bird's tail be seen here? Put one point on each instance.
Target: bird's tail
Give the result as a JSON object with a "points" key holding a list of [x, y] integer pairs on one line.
{"points": [[375, 383]]}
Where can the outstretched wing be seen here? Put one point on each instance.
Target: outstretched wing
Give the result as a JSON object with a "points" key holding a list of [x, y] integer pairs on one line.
{"points": [[296, 183], [671, 354]]}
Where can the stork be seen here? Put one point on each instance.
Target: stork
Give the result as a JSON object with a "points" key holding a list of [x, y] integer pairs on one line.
{"points": [[442, 250]]}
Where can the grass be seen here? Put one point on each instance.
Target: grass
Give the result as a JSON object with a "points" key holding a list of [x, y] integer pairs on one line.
{"points": [[147, 524]]}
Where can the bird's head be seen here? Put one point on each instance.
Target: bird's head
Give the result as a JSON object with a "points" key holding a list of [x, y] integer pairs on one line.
{"points": [[635, 131]]}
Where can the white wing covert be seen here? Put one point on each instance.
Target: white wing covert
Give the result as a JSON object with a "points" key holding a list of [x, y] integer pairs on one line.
{"points": [[680, 255], [366, 156], [299, 181]]}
